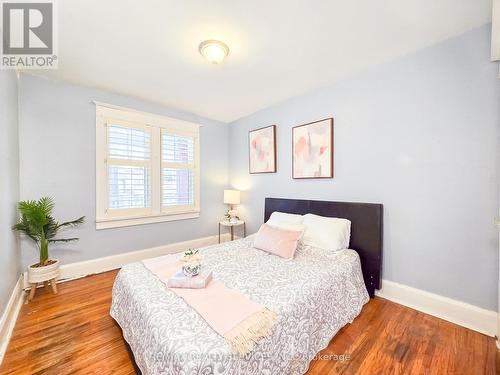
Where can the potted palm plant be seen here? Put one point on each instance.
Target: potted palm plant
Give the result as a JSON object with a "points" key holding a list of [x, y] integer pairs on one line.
{"points": [[37, 223]]}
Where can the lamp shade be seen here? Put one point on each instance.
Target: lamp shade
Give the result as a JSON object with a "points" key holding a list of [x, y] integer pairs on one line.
{"points": [[231, 197]]}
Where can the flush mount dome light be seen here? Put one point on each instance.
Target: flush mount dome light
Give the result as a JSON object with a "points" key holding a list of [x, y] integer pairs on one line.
{"points": [[214, 51]]}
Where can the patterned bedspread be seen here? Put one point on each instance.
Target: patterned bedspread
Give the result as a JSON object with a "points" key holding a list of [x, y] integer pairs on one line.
{"points": [[314, 295]]}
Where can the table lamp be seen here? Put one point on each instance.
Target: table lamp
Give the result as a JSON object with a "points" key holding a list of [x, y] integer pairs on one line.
{"points": [[232, 197]]}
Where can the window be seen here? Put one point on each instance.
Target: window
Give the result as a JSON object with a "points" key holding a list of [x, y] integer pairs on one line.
{"points": [[129, 167], [177, 171], [147, 168]]}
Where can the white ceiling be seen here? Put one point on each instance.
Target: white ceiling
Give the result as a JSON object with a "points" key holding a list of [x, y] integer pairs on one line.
{"points": [[279, 49]]}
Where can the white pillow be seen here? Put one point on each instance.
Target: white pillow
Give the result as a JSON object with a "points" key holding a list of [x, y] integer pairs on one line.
{"points": [[328, 233], [283, 220], [288, 226]]}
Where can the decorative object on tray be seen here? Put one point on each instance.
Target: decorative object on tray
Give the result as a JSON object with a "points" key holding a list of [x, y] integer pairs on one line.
{"points": [[232, 197], [180, 280], [191, 263], [312, 154], [37, 223], [262, 150]]}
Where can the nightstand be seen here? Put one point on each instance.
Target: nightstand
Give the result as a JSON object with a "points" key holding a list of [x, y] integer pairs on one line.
{"points": [[226, 223]]}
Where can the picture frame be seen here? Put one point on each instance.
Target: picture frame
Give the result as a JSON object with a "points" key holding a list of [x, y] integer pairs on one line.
{"points": [[262, 150], [312, 150]]}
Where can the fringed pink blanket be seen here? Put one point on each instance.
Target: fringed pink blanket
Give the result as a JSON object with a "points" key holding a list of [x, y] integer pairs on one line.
{"points": [[232, 315]]}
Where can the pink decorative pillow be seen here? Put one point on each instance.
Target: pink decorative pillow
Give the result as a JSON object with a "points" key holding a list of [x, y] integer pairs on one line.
{"points": [[277, 241]]}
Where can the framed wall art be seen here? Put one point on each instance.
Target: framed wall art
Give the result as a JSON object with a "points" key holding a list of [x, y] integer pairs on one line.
{"points": [[262, 150], [312, 150]]}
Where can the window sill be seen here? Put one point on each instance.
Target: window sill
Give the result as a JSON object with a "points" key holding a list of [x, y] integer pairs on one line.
{"points": [[117, 222]]}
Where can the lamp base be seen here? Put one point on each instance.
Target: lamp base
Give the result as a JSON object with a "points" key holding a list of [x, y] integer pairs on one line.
{"points": [[233, 216]]}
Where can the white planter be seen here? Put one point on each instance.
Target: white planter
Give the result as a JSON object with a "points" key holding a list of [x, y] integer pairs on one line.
{"points": [[43, 273]]}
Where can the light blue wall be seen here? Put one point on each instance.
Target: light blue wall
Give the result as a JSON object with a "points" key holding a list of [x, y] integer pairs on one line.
{"points": [[57, 148], [419, 135], [9, 185]]}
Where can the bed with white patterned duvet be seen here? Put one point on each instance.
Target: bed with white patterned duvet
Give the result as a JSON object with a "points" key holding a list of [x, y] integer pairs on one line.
{"points": [[313, 295]]}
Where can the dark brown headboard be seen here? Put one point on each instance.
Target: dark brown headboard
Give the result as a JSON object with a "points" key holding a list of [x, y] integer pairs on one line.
{"points": [[366, 229]]}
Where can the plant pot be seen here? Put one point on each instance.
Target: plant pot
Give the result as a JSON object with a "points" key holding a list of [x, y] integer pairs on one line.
{"points": [[43, 273], [191, 269]]}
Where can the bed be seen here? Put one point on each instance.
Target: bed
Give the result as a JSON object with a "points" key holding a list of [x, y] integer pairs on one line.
{"points": [[313, 295]]}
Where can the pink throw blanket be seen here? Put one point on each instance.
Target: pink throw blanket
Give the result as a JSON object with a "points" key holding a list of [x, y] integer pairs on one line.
{"points": [[231, 314]]}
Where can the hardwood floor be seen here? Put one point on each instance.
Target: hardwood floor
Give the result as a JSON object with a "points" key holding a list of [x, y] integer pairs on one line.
{"points": [[72, 332]]}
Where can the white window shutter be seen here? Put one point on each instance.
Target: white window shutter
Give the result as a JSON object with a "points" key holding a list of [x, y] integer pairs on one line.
{"points": [[178, 170], [129, 163]]}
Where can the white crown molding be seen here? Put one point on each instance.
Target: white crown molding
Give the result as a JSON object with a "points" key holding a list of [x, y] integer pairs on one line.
{"points": [[9, 316], [463, 314]]}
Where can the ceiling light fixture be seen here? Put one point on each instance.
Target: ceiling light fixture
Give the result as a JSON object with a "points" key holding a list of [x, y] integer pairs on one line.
{"points": [[214, 51]]}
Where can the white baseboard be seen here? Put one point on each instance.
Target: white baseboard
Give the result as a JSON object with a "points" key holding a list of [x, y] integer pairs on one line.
{"points": [[463, 314], [9, 316], [80, 269]]}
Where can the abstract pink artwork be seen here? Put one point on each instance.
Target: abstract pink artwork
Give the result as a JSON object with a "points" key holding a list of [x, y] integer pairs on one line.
{"points": [[313, 150], [262, 150]]}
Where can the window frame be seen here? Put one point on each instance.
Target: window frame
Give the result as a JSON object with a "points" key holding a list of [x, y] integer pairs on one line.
{"points": [[156, 125]]}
